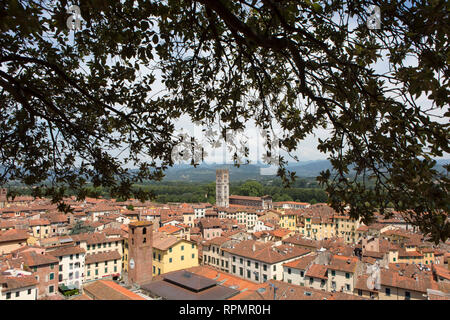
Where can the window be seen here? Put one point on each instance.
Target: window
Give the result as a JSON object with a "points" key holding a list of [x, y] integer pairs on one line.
{"points": [[407, 295], [8, 295], [275, 268], [182, 258], [154, 269], [359, 292], [170, 260], [52, 266], [106, 270], [52, 276], [170, 249], [29, 291], [154, 255], [234, 259], [193, 256], [89, 273], [51, 289], [104, 245], [347, 275], [89, 247], [289, 270], [17, 294], [159, 271], [77, 256], [144, 230], [311, 280], [60, 267], [333, 273], [248, 263], [289, 281], [241, 260], [109, 244], [182, 248], [96, 272], [145, 240], [159, 257], [233, 267], [248, 274], [264, 277], [256, 265], [60, 277], [388, 292], [241, 271], [71, 257], [347, 287], [264, 267], [96, 264]]}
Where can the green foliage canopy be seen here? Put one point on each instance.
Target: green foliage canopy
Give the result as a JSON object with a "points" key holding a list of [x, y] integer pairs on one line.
{"points": [[83, 109]]}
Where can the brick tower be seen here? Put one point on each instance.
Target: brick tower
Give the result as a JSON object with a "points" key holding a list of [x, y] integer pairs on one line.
{"points": [[140, 248], [222, 189]]}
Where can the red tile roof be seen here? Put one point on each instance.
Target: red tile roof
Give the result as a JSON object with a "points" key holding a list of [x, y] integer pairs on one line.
{"points": [[317, 271]]}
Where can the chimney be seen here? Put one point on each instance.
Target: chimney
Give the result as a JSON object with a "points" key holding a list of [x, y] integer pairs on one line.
{"points": [[254, 248]]}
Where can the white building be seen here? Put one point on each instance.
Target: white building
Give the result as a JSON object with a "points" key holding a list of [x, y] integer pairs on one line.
{"points": [[16, 284], [71, 265]]}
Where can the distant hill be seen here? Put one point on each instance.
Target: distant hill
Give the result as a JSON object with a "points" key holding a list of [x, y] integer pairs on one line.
{"points": [[207, 172]]}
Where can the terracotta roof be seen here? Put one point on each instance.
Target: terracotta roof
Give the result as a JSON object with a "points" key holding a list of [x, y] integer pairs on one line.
{"points": [[343, 263], [38, 222], [13, 235], [301, 263], [419, 283], [404, 253], [33, 259], [12, 282], [266, 252], [169, 229], [218, 241], [163, 241], [65, 251], [300, 241], [109, 290], [317, 271], [286, 291], [103, 256], [442, 272], [280, 233], [244, 198]]}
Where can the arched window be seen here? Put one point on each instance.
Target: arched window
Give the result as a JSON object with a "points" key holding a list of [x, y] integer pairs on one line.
{"points": [[144, 231]]}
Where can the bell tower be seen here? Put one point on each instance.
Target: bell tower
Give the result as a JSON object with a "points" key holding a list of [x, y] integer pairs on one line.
{"points": [[140, 249]]}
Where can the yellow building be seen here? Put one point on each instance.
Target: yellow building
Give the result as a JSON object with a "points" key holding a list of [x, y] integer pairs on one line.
{"points": [[288, 220], [171, 253], [346, 228], [40, 228], [101, 265]]}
